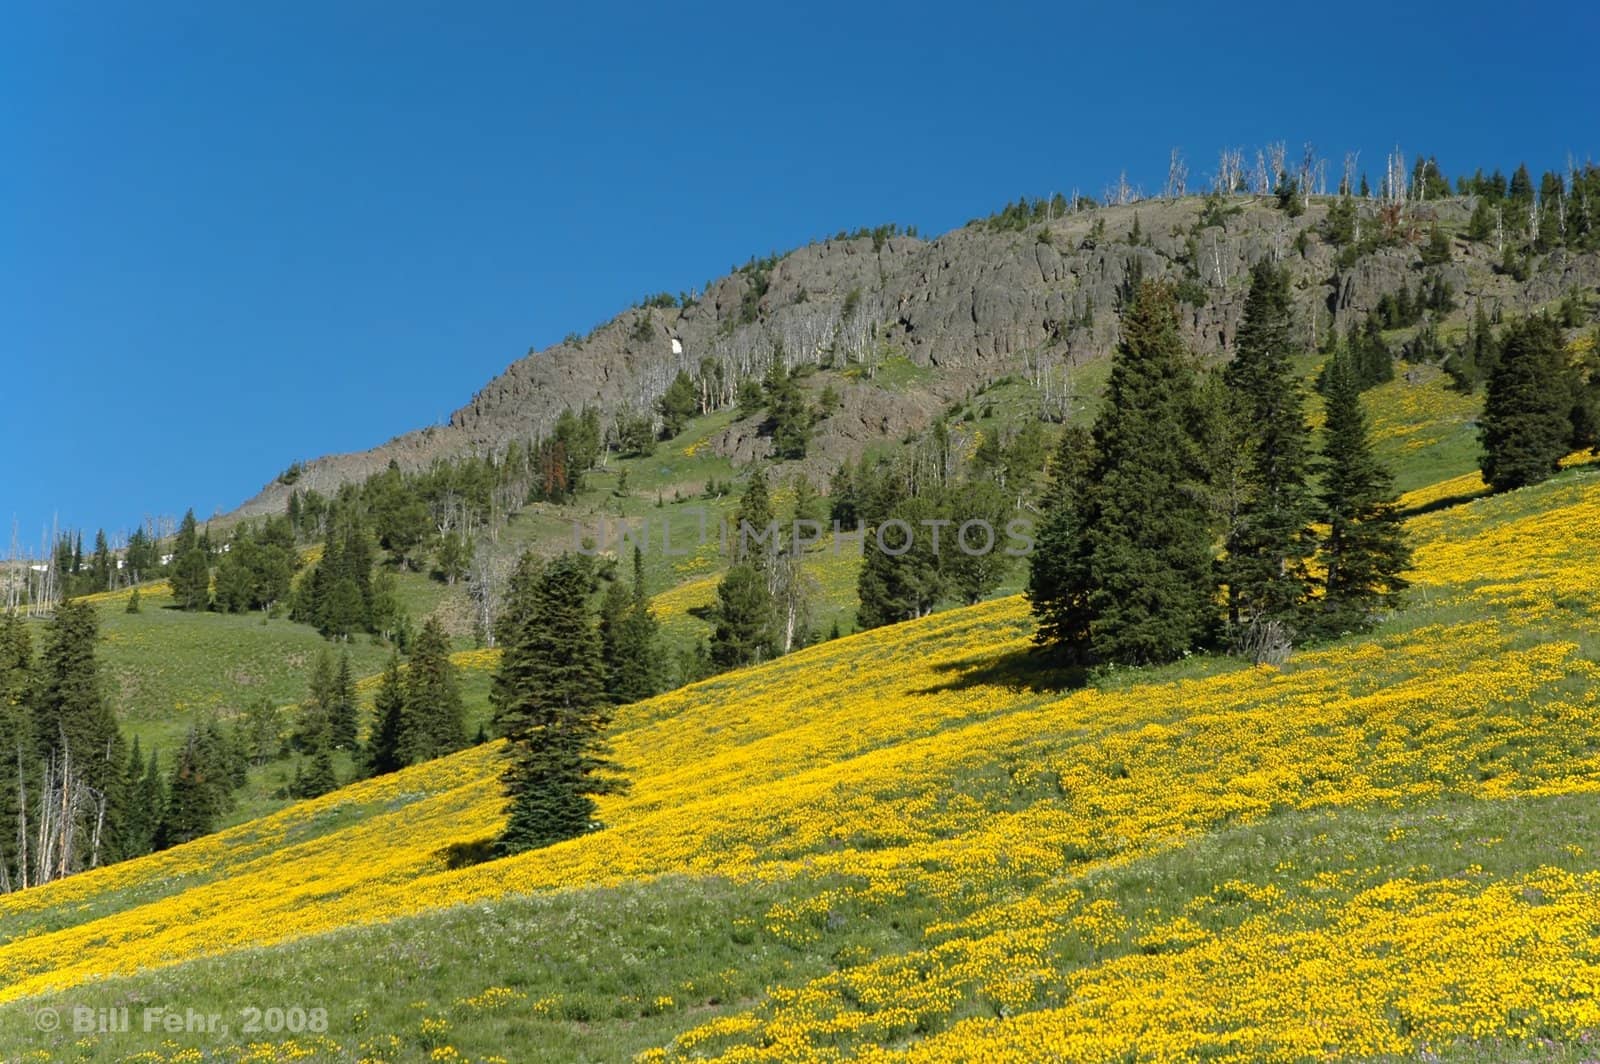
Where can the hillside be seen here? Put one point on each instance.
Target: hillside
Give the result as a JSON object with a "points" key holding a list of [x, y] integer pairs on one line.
{"points": [[948, 316], [902, 843]]}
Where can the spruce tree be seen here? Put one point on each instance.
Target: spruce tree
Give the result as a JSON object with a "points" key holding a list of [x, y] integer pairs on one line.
{"points": [[385, 751], [677, 405], [342, 706], [313, 730], [1149, 529], [1526, 424], [1365, 552], [628, 633], [139, 826], [198, 793], [550, 704], [320, 780], [745, 632], [191, 579], [72, 721], [1269, 540], [1059, 577], [434, 724]]}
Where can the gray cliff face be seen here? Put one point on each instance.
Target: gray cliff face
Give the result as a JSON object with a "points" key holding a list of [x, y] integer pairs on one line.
{"points": [[973, 305]]}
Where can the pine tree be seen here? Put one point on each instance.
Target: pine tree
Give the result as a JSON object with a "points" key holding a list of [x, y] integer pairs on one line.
{"points": [[199, 791], [1526, 424], [139, 826], [550, 704], [342, 707], [72, 721], [321, 780], [191, 579], [1365, 551], [1269, 540], [629, 637], [434, 723], [752, 535], [133, 605], [313, 730], [677, 405], [386, 751], [1149, 530], [745, 623], [1059, 579]]}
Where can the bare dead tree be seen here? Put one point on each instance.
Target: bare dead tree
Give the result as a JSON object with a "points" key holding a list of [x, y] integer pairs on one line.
{"points": [[1177, 175], [1347, 182], [1395, 179]]}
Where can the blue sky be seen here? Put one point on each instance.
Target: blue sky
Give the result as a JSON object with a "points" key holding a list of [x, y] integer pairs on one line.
{"points": [[236, 235]]}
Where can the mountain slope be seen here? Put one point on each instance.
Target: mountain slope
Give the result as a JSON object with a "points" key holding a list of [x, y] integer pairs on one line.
{"points": [[973, 306], [899, 842]]}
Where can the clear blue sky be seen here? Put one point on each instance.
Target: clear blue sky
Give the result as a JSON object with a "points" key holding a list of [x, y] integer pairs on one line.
{"points": [[233, 235]]}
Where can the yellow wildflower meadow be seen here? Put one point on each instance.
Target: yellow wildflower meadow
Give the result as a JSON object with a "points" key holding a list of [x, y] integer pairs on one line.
{"points": [[908, 762]]}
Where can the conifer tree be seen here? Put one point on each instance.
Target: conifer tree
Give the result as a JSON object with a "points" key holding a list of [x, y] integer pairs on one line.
{"points": [[191, 579], [320, 780], [1526, 424], [746, 618], [385, 752], [314, 728], [342, 706], [70, 712], [18, 758], [1365, 552], [628, 633], [433, 719], [1149, 529], [199, 791], [1059, 577], [677, 405], [550, 704], [745, 632], [1269, 540]]}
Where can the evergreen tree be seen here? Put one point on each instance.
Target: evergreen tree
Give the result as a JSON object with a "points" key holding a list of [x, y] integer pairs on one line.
{"points": [[200, 790], [753, 536], [628, 632], [550, 704], [1269, 540], [191, 580], [808, 505], [1526, 425], [18, 757], [1365, 551], [100, 567], [386, 752], [1059, 577], [73, 725], [745, 632], [788, 414], [1149, 529], [971, 558], [314, 728], [133, 605], [434, 724], [319, 781], [139, 826], [677, 405], [342, 707]]}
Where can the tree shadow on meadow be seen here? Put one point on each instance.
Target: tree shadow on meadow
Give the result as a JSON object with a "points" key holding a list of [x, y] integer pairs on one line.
{"points": [[1445, 503], [1028, 669], [469, 853]]}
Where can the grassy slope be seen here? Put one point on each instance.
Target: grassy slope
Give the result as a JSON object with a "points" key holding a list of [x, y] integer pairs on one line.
{"points": [[885, 841]]}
